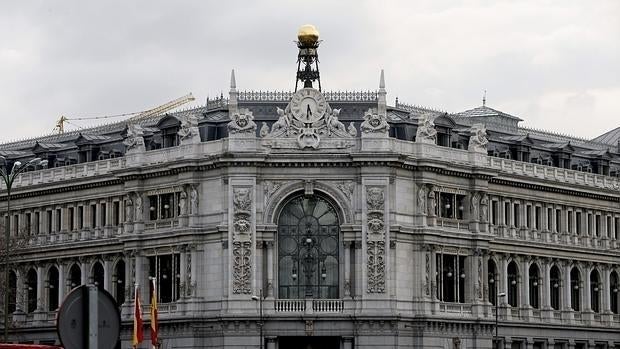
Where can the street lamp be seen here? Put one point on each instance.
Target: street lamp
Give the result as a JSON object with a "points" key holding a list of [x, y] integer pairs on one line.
{"points": [[259, 299], [499, 295], [8, 177]]}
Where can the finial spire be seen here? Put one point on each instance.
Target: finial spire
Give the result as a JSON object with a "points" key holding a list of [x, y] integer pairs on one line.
{"points": [[382, 80], [484, 98], [233, 81]]}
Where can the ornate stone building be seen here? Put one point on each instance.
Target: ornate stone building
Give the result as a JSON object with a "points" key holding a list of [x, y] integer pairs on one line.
{"points": [[356, 224]]}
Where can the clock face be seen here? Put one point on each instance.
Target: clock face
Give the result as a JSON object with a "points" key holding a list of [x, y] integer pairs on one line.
{"points": [[308, 105]]}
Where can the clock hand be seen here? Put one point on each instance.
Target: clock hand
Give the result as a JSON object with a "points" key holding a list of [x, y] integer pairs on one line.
{"points": [[308, 112]]}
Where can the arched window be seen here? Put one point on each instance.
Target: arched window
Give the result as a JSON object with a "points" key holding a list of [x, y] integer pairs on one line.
{"points": [[12, 292], [492, 281], [613, 292], [554, 284], [52, 289], [513, 284], [308, 249], [595, 291], [31, 290], [534, 285], [98, 275], [575, 283], [118, 281], [75, 276]]}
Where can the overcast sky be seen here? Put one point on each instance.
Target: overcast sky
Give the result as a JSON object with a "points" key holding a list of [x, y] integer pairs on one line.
{"points": [[555, 64]]}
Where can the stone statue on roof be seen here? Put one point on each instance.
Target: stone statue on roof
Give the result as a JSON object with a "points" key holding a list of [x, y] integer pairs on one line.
{"points": [[242, 123], [426, 132], [374, 124], [135, 139], [478, 140], [189, 132]]}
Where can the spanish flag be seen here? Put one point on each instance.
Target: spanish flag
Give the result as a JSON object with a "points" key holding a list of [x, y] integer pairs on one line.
{"points": [[154, 322], [138, 335]]}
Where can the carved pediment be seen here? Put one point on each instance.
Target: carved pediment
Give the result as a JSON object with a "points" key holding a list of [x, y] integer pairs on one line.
{"points": [[308, 119]]}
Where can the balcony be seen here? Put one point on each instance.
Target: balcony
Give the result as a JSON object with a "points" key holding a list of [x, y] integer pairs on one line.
{"points": [[309, 305]]}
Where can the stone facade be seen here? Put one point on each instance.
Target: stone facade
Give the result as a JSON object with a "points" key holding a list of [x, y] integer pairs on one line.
{"points": [[431, 231]]}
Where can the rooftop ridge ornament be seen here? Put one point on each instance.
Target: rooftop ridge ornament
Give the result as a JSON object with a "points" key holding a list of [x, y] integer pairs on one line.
{"points": [[308, 43], [285, 96]]}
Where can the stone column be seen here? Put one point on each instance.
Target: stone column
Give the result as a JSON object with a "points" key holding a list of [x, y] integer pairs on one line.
{"points": [[546, 284], [98, 221], [347, 343], [85, 269], [525, 284], [43, 221], [183, 268], [605, 290], [40, 288], [54, 220], [62, 283], [271, 267], [503, 278], [20, 292], [586, 295], [194, 270], [566, 286], [107, 273]]}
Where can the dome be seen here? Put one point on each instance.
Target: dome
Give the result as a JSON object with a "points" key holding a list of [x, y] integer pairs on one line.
{"points": [[308, 35]]}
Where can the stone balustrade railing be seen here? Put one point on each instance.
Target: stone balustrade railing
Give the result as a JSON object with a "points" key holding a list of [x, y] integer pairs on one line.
{"points": [[555, 174], [290, 305], [419, 151]]}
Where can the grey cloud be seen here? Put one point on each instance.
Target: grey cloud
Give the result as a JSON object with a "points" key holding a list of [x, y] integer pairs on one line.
{"points": [[84, 58]]}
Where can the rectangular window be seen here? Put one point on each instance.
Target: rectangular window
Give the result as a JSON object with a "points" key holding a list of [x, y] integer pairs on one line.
{"points": [[451, 278], [507, 213], [117, 213], [16, 225], [37, 222], [517, 216], [166, 270], [608, 221], [93, 216], [103, 213], [163, 206], [28, 224], [71, 218], [571, 229], [537, 217], [550, 219], [49, 222], [616, 226], [597, 225], [578, 222], [589, 225], [528, 216], [558, 220], [58, 219], [80, 217]]}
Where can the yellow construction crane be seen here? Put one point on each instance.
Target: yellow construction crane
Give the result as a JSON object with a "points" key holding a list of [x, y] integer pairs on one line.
{"points": [[60, 124]]}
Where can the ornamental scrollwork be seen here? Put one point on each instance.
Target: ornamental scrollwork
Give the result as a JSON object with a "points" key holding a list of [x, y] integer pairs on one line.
{"points": [[242, 123], [374, 123], [375, 239], [242, 240]]}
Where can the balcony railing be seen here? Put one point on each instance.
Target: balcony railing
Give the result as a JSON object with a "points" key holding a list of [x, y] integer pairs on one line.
{"points": [[302, 305], [455, 308]]}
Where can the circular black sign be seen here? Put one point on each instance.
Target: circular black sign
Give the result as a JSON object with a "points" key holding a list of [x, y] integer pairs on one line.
{"points": [[73, 319]]}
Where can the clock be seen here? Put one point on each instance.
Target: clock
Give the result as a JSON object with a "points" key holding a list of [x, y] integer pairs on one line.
{"points": [[308, 105]]}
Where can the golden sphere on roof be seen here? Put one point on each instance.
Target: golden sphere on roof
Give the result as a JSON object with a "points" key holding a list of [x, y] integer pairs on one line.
{"points": [[308, 35]]}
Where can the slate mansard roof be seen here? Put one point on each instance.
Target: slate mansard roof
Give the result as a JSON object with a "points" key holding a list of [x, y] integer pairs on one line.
{"points": [[506, 137]]}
